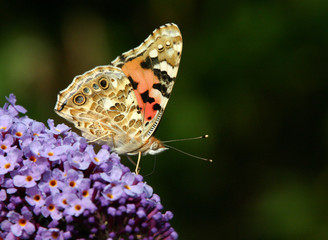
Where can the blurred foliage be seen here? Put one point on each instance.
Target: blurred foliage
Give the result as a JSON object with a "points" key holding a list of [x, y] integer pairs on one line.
{"points": [[253, 76]]}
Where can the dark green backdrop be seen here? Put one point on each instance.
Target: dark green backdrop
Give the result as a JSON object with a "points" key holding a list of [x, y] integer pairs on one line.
{"points": [[253, 76]]}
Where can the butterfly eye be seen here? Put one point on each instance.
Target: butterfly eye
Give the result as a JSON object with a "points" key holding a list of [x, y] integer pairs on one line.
{"points": [[79, 99], [86, 90], [103, 83], [154, 146]]}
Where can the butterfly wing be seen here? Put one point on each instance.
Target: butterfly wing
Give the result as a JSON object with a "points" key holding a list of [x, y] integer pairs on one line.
{"points": [[121, 105], [102, 104], [152, 68]]}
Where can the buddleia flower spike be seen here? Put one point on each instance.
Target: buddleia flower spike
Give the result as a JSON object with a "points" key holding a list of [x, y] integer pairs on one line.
{"points": [[53, 185]]}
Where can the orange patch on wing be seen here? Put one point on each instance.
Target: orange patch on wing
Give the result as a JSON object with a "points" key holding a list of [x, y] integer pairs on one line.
{"points": [[150, 113], [145, 78]]}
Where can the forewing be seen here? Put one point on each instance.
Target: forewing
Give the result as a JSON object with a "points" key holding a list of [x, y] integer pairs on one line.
{"points": [[152, 68]]}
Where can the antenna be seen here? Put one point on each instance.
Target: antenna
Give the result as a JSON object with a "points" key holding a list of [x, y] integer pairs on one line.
{"points": [[188, 154], [186, 139]]}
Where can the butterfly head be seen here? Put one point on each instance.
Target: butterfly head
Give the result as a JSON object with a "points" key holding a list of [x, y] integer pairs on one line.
{"points": [[154, 146]]}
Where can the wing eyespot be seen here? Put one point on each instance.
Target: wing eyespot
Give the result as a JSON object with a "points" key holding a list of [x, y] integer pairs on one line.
{"points": [[103, 82], [160, 47], [86, 91], [79, 99], [95, 86]]}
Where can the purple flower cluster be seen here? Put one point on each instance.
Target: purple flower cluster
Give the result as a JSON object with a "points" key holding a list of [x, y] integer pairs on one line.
{"points": [[53, 185]]}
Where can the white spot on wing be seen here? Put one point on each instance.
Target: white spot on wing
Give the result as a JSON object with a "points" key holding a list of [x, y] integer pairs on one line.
{"points": [[178, 47], [174, 71], [156, 66], [170, 71], [163, 65], [107, 103], [113, 82], [160, 47], [153, 53]]}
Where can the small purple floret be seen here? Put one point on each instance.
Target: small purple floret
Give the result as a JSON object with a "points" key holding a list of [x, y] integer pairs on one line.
{"points": [[53, 185]]}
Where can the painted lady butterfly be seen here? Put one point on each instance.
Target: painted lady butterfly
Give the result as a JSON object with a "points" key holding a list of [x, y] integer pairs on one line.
{"points": [[122, 104]]}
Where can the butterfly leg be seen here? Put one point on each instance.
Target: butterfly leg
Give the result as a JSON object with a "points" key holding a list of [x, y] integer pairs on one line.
{"points": [[130, 160], [96, 139], [113, 140], [138, 162]]}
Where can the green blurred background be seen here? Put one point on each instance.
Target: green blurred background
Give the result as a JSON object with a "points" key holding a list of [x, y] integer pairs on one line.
{"points": [[253, 76]]}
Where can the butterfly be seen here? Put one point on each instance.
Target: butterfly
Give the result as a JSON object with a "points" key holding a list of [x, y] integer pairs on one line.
{"points": [[121, 104]]}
